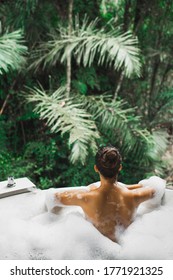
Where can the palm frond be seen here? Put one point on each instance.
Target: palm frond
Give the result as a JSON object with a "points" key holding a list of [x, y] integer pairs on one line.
{"points": [[161, 139], [65, 116], [30, 5], [124, 129], [121, 124], [12, 51], [87, 44], [157, 150], [163, 109]]}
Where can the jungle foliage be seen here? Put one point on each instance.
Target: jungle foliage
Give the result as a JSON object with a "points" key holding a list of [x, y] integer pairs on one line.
{"points": [[78, 74]]}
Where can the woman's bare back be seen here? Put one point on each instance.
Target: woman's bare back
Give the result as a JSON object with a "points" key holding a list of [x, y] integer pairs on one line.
{"points": [[108, 209]]}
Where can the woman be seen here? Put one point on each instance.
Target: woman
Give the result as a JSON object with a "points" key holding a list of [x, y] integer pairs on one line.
{"points": [[112, 204]]}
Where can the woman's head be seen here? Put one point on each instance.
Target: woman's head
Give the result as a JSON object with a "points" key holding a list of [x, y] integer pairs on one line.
{"points": [[108, 161]]}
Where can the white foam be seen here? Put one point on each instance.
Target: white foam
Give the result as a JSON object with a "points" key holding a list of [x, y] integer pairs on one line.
{"points": [[158, 185], [28, 231], [52, 201]]}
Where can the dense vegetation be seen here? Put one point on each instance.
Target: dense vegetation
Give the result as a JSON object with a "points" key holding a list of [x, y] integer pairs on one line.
{"points": [[77, 74]]}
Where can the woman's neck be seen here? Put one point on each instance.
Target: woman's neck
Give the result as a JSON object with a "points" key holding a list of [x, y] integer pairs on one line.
{"points": [[108, 182]]}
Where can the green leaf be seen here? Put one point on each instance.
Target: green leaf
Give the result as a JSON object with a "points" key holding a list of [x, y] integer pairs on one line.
{"points": [[89, 44], [63, 115], [12, 51]]}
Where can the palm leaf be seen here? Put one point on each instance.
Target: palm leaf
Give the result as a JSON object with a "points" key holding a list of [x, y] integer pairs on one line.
{"points": [[87, 44], [120, 123], [64, 116], [163, 109], [12, 51]]}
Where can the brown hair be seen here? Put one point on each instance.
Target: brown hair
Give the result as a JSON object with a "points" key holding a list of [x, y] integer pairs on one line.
{"points": [[108, 161]]}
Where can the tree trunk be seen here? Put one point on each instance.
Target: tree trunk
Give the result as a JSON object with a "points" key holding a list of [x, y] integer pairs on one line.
{"points": [[137, 17], [126, 15], [70, 23], [6, 100], [4, 104], [120, 81], [167, 68], [125, 28]]}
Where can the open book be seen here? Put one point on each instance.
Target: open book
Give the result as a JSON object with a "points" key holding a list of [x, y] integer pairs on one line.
{"points": [[21, 185]]}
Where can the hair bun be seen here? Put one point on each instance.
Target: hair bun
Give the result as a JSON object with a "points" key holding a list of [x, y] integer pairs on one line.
{"points": [[111, 155], [108, 160], [111, 158]]}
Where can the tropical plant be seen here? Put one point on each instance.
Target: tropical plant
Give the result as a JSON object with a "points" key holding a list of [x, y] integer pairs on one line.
{"points": [[120, 123], [101, 58], [114, 121], [122, 127], [64, 116], [12, 51], [88, 43], [162, 113], [28, 16]]}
